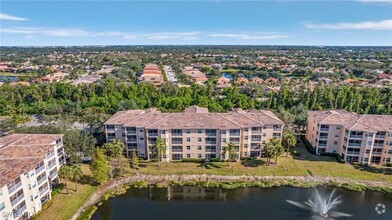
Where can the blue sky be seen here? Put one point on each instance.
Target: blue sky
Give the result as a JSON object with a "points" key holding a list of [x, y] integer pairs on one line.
{"points": [[281, 22]]}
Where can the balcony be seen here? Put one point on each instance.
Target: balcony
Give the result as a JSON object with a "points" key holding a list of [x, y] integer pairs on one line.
{"points": [[15, 187], [41, 168], [176, 142], [211, 134], [256, 131], [50, 166], [324, 129], [322, 145], [354, 145], [131, 131], [378, 144], [210, 150], [43, 191], [60, 153], [153, 134], [380, 136], [53, 175], [17, 200], [277, 129], [18, 213], [376, 153], [210, 142], [50, 155], [43, 179], [356, 136], [353, 152], [61, 162]]}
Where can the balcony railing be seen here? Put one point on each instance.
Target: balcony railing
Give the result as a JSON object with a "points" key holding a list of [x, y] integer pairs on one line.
{"points": [[15, 187], [376, 153], [322, 145], [60, 153], [211, 134], [53, 175], [354, 145], [235, 133], [177, 134], [380, 136], [37, 171], [61, 162], [43, 179], [235, 142], [256, 132], [378, 144], [17, 200], [131, 131], [50, 166], [210, 150], [277, 129], [18, 213], [210, 142], [153, 134], [50, 155], [324, 129], [256, 139], [356, 136], [353, 152], [43, 191], [176, 142], [176, 150]]}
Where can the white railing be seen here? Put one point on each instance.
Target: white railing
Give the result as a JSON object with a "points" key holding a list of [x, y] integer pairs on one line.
{"points": [[41, 180], [19, 213], [43, 191], [15, 187], [17, 200], [37, 171]]}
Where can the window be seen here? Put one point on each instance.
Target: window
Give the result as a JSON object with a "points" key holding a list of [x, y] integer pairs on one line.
{"points": [[176, 132], [245, 154], [246, 138], [264, 134], [110, 127], [198, 155], [337, 127], [188, 155], [176, 140], [141, 130], [176, 156], [245, 145], [199, 139], [336, 135], [199, 131], [246, 129], [176, 148], [224, 140], [58, 141], [188, 139], [111, 136], [335, 143], [199, 147], [188, 131], [141, 138], [2, 206], [188, 147], [223, 131]]}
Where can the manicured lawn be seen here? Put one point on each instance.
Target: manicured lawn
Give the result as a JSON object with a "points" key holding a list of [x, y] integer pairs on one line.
{"points": [[286, 166], [64, 206]]}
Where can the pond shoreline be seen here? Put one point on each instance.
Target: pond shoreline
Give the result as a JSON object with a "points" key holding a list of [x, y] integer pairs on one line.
{"points": [[228, 182]]}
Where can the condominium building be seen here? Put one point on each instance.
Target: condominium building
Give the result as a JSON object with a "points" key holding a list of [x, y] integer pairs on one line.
{"points": [[194, 133], [152, 74], [28, 170], [358, 138]]}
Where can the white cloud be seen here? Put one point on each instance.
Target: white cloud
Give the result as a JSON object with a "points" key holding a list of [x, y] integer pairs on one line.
{"points": [[11, 18], [376, 1], [129, 36], [366, 25], [54, 32], [249, 36]]}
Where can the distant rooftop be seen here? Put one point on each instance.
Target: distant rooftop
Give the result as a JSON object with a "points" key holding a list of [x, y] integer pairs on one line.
{"points": [[20, 153]]}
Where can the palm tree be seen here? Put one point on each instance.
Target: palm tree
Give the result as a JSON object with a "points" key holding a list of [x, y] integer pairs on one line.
{"points": [[113, 150], [269, 152], [276, 148], [230, 149], [159, 149], [65, 174], [289, 139], [76, 173]]}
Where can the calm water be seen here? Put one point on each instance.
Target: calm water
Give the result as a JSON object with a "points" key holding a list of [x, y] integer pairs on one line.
{"points": [[194, 203]]}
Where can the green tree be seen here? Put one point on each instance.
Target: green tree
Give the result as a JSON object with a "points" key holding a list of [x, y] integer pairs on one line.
{"points": [[99, 166], [76, 173], [65, 173], [113, 149], [134, 160], [159, 149], [289, 140], [230, 151]]}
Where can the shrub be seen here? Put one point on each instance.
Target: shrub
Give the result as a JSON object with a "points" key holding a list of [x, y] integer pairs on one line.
{"points": [[296, 153], [389, 164], [308, 146], [192, 160]]}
